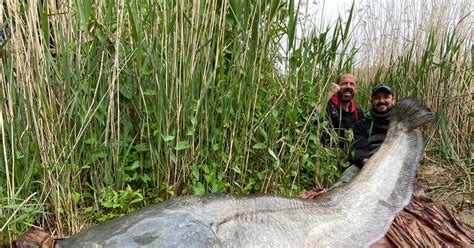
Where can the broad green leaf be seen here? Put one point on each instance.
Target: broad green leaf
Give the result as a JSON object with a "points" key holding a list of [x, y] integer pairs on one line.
{"points": [[133, 167], [143, 147], [199, 189], [91, 140], [182, 145], [146, 178], [126, 89], [76, 197], [276, 165], [191, 131], [89, 209], [195, 171], [236, 169], [173, 157], [168, 138], [258, 146], [273, 154], [149, 92]]}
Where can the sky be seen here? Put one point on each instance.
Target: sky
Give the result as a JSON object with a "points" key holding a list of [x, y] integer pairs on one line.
{"points": [[376, 23], [320, 13], [317, 14]]}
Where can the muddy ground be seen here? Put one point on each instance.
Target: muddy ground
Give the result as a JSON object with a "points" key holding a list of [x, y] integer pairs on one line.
{"points": [[449, 186]]}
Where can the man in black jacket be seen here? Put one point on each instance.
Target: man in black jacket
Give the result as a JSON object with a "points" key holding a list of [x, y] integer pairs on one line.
{"points": [[369, 133], [342, 109]]}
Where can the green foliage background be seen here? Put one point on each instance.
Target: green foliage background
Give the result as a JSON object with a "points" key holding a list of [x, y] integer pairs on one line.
{"points": [[108, 106]]}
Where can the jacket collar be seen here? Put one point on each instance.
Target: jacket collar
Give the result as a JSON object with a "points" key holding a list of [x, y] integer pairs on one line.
{"points": [[372, 115], [352, 104]]}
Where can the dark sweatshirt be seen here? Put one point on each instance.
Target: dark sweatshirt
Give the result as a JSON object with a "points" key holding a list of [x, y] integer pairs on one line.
{"points": [[341, 120], [369, 134]]}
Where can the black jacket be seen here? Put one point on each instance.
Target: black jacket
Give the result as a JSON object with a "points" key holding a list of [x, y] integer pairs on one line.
{"points": [[369, 134], [341, 120]]}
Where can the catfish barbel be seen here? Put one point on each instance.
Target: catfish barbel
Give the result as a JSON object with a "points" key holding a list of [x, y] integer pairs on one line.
{"points": [[354, 215]]}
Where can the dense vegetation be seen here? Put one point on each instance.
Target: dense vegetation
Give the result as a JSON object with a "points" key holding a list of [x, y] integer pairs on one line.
{"points": [[107, 106]]}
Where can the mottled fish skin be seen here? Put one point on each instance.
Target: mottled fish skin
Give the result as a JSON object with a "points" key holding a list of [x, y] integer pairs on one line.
{"points": [[354, 215]]}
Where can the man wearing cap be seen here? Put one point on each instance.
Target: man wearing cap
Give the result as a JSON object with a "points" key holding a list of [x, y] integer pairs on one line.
{"points": [[342, 109], [370, 132]]}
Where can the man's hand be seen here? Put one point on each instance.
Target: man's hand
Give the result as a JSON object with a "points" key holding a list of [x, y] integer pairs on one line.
{"points": [[334, 89], [364, 160]]}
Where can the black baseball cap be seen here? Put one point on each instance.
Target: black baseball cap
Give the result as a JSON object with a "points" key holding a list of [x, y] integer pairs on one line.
{"points": [[382, 87]]}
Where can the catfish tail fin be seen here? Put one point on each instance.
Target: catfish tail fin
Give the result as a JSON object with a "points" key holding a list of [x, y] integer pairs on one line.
{"points": [[410, 113]]}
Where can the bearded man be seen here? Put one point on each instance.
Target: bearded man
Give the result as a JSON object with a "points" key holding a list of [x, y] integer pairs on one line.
{"points": [[342, 109], [370, 132]]}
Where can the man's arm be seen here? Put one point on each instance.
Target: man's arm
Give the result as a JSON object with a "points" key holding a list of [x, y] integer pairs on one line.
{"points": [[361, 145], [332, 91]]}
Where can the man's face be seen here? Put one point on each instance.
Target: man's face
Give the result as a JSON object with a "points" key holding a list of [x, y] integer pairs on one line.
{"points": [[382, 102], [348, 88]]}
